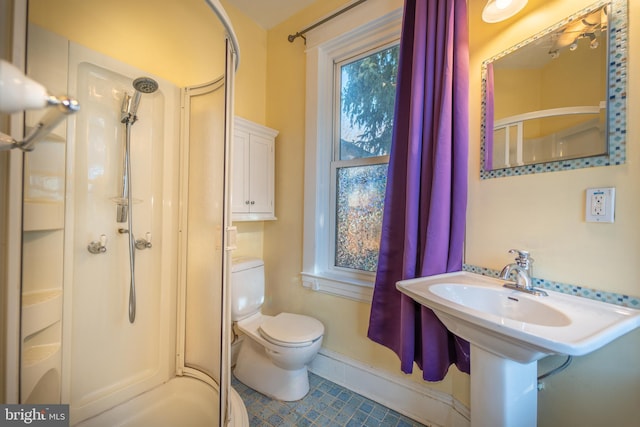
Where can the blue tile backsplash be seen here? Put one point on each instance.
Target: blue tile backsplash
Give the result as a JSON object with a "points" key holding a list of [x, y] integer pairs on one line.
{"points": [[581, 291]]}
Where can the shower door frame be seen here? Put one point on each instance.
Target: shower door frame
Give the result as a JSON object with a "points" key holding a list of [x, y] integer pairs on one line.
{"points": [[227, 236]]}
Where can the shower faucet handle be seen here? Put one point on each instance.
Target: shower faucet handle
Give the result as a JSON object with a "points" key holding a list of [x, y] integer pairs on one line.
{"points": [[144, 243], [99, 246]]}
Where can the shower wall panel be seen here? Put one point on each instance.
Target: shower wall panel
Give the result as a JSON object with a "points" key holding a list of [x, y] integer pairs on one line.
{"points": [[108, 359]]}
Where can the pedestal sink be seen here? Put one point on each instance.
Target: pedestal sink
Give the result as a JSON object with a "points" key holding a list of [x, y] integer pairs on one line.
{"points": [[509, 332]]}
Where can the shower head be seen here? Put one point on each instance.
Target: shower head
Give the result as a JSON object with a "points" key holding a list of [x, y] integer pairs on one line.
{"points": [[145, 85], [130, 103]]}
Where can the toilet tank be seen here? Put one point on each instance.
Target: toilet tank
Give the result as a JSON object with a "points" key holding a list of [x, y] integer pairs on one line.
{"points": [[247, 287]]}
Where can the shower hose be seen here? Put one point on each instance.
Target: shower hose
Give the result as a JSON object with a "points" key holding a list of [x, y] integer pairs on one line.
{"points": [[132, 248]]}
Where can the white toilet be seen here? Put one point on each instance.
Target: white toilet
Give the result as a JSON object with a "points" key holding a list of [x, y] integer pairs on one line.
{"points": [[276, 350]]}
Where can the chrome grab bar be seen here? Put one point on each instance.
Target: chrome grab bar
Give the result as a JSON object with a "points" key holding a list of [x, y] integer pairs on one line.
{"points": [[63, 107]]}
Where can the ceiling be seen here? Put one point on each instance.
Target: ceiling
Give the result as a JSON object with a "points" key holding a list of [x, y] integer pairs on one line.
{"points": [[269, 13]]}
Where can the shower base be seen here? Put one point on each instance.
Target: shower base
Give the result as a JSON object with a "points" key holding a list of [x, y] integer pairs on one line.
{"points": [[181, 401]]}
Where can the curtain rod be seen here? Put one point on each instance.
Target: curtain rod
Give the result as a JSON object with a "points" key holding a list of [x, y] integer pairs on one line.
{"points": [[292, 37]]}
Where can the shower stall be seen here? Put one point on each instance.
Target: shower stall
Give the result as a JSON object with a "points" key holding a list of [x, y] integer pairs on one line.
{"points": [[124, 286]]}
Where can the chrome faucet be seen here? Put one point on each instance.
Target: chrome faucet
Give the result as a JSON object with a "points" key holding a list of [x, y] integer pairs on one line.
{"points": [[523, 269]]}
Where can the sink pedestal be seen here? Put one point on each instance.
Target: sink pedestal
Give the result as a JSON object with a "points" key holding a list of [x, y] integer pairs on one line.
{"points": [[504, 393]]}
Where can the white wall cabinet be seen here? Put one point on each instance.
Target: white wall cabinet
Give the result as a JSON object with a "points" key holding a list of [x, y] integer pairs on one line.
{"points": [[252, 186]]}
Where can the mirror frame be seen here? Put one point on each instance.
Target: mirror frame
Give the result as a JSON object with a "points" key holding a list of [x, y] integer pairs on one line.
{"points": [[616, 97]]}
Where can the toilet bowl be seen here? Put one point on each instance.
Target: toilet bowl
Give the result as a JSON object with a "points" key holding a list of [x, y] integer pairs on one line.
{"points": [[276, 350]]}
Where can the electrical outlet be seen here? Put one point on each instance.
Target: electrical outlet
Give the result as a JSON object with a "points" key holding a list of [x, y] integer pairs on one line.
{"points": [[600, 204]]}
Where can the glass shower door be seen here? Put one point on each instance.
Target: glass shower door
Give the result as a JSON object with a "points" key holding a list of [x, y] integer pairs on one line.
{"points": [[205, 219]]}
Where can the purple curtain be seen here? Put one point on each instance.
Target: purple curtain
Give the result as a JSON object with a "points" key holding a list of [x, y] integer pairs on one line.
{"points": [[488, 120], [426, 196]]}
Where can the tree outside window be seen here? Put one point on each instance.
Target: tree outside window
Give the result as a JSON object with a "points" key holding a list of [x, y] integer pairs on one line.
{"points": [[366, 104]]}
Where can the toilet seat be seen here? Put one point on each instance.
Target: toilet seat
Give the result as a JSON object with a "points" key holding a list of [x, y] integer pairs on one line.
{"points": [[291, 330]]}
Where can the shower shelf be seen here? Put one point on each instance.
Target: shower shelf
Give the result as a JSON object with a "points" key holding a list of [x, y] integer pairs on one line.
{"points": [[125, 201], [36, 362], [40, 310], [43, 215], [39, 355]]}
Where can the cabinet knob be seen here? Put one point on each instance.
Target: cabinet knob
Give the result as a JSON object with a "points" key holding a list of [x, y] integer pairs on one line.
{"points": [[246, 202], [253, 203]]}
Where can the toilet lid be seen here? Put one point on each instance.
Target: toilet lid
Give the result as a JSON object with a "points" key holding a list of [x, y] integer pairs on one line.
{"points": [[292, 328]]}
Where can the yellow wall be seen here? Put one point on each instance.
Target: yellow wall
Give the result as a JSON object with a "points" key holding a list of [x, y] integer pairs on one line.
{"points": [[542, 213], [181, 41], [565, 248], [346, 321], [166, 39], [251, 79]]}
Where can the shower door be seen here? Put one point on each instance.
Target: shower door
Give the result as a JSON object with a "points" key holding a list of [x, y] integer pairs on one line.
{"points": [[202, 226], [204, 347]]}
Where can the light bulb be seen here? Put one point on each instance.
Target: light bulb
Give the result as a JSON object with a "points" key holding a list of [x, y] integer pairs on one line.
{"points": [[499, 10], [18, 91]]}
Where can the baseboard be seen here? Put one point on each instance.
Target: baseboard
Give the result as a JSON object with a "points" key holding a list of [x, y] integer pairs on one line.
{"points": [[421, 403]]}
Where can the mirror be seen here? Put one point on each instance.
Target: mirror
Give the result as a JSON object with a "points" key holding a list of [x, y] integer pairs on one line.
{"points": [[557, 100]]}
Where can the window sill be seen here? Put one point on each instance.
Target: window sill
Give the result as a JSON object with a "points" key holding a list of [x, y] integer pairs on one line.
{"points": [[339, 286]]}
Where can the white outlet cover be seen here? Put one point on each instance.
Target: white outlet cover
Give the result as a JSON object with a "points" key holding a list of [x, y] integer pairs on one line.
{"points": [[600, 205]]}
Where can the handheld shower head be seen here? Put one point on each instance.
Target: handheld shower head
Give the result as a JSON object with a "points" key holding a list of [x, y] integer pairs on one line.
{"points": [[145, 85], [130, 103]]}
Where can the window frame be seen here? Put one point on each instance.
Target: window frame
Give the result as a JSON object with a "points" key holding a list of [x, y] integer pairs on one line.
{"points": [[351, 35]]}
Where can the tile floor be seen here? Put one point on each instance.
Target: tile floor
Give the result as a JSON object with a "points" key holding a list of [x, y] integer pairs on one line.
{"points": [[327, 404]]}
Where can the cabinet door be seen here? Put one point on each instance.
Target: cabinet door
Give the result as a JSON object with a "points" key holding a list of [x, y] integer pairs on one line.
{"points": [[261, 174], [240, 202], [252, 189]]}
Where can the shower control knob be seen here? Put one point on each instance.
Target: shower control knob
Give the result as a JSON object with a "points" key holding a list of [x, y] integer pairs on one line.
{"points": [[144, 243], [98, 247]]}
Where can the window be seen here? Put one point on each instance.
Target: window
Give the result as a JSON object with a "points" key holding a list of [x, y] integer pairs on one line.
{"points": [[364, 100], [350, 104]]}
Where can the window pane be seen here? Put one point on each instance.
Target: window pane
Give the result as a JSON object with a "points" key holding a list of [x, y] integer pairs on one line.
{"points": [[367, 101], [359, 203]]}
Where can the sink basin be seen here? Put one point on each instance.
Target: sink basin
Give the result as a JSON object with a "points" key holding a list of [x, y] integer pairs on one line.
{"points": [[517, 325], [502, 303]]}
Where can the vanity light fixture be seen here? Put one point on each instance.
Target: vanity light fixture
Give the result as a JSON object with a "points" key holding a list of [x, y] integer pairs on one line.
{"points": [[586, 28], [593, 43], [499, 10]]}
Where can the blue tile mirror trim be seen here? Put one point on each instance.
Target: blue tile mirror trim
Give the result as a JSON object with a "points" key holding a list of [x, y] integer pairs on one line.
{"points": [[617, 100], [565, 288]]}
